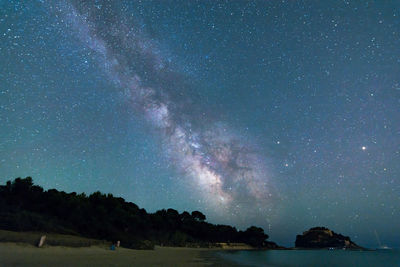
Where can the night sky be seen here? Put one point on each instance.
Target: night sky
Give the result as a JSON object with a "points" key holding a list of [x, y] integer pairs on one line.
{"points": [[281, 114]]}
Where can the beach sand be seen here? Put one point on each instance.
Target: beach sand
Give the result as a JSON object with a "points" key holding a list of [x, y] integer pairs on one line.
{"points": [[12, 254]]}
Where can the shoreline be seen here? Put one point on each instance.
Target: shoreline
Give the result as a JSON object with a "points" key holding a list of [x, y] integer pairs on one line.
{"points": [[22, 254]]}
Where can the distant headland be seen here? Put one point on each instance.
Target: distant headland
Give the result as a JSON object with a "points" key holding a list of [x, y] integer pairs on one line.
{"points": [[321, 237]]}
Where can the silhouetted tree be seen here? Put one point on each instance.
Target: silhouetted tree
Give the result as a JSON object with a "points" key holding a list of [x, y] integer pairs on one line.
{"points": [[255, 236], [197, 215]]}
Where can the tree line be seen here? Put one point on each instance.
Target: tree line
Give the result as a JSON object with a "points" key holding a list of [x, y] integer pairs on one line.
{"points": [[27, 207]]}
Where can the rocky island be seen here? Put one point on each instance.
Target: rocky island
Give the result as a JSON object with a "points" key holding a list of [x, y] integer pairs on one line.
{"points": [[321, 237]]}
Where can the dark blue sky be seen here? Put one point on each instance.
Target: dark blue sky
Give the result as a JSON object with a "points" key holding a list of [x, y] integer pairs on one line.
{"points": [[283, 114]]}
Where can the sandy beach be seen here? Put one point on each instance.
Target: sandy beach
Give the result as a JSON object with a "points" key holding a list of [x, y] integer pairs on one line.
{"points": [[12, 254]]}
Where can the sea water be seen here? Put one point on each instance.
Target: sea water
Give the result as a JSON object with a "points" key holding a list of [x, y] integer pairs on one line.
{"points": [[325, 258]]}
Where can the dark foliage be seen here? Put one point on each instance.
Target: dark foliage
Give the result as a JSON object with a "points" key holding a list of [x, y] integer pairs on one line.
{"points": [[27, 207]]}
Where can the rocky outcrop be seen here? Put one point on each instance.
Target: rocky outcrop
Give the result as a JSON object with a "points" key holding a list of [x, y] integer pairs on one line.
{"points": [[321, 237]]}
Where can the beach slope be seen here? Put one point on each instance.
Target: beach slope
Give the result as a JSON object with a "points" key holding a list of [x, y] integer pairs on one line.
{"points": [[12, 254]]}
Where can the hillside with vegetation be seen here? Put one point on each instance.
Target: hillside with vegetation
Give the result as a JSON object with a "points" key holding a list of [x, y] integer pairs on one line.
{"points": [[322, 237], [27, 207]]}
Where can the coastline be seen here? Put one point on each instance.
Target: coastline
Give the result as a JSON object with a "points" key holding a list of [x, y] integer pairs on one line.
{"points": [[20, 254]]}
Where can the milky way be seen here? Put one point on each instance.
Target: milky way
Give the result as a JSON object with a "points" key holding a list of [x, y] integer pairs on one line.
{"points": [[280, 114], [225, 169]]}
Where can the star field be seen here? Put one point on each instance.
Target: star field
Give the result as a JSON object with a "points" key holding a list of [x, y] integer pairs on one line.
{"points": [[283, 114]]}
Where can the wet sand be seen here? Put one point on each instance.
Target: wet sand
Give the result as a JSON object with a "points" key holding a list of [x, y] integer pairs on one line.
{"points": [[12, 254]]}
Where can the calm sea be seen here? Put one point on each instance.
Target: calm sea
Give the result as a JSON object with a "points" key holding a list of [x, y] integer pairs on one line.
{"points": [[307, 258]]}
